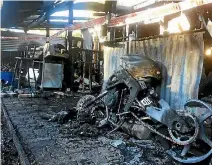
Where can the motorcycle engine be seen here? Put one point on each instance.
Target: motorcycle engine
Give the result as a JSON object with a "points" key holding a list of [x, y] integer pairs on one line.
{"points": [[111, 99]]}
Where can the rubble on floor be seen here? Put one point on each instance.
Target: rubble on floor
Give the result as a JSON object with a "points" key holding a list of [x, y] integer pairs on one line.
{"points": [[9, 154], [49, 142], [132, 151]]}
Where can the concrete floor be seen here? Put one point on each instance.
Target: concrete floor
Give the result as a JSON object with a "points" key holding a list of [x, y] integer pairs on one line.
{"points": [[51, 143]]}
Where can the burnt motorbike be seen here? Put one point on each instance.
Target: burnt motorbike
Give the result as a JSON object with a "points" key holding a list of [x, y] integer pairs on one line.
{"points": [[130, 96]]}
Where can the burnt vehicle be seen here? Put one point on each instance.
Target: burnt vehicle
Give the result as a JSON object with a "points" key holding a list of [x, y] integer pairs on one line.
{"points": [[130, 97]]}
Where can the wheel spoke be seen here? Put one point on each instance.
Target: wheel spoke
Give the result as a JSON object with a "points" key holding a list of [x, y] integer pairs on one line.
{"points": [[195, 157], [202, 135], [205, 116], [204, 138], [185, 149]]}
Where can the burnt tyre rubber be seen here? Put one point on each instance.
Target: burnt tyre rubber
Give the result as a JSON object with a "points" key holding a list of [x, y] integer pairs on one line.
{"points": [[83, 111]]}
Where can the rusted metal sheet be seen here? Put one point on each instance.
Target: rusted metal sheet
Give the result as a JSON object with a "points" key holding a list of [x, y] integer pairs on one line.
{"points": [[181, 59], [112, 60]]}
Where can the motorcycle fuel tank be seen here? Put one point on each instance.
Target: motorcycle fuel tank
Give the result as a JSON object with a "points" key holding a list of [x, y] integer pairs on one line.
{"points": [[140, 66]]}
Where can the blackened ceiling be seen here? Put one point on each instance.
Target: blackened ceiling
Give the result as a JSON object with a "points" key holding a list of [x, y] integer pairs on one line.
{"points": [[33, 14]]}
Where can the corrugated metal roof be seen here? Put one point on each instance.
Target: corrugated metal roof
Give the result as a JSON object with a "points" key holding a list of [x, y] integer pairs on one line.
{"points": [[19, 45], [16, 13]]}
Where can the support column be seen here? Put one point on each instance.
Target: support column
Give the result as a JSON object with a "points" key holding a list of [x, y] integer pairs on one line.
{"points": [[113, 11], [71, 68], [47, 27], [110, 10], [136, 31], [66, 40], [70, 21], [95, 47], [42, 68], [127, 39], [124, 33]]}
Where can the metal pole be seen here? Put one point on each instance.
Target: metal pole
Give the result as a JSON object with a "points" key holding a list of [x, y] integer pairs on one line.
{"points": [[15, 71], [47, 26], [33, 55], [19, 76], [124, 33], [28, 76], [47, 41], [33, 69], [33, 66], [83, 85], [136, 31], [70, 21], [66, 40], [90, 76], [127, 35], [90, 71], [111, 9]]}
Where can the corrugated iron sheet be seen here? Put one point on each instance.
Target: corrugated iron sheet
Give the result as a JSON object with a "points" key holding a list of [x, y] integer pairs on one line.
{"points": [[181, 58], [19, 45], [112, 60]]}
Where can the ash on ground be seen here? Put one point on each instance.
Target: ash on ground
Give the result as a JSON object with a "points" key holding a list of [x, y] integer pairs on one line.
{"points": [[9, 154], [52, 139], [131, 151]]}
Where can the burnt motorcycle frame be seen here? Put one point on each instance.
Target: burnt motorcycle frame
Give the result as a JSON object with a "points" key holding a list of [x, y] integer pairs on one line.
{"points": [[163, 114]]}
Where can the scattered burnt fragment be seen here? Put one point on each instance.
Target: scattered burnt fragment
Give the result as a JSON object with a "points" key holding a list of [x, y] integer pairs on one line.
{"points": [[61, 117], [88, 130]]}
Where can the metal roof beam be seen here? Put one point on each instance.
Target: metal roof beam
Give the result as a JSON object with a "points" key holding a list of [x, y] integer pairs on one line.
{"points": [[63, 6], [42, 18], [66, 18], [51, 26]]}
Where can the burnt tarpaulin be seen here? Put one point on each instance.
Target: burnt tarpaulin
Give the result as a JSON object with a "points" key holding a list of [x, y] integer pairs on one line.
{"points": [[181, 59]]}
